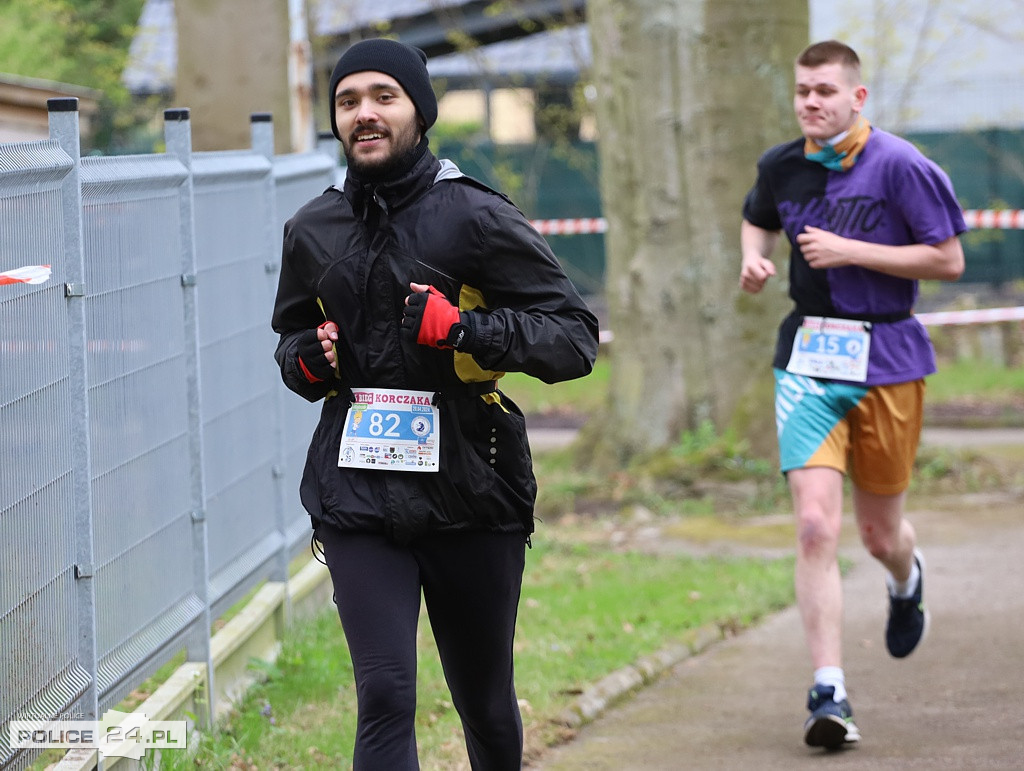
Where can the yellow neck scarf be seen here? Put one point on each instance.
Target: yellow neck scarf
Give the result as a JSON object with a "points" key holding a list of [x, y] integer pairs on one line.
{"points": [[843, 154]]}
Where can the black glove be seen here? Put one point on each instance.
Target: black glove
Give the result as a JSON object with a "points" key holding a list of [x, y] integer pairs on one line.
{"points": [[312, 357]]}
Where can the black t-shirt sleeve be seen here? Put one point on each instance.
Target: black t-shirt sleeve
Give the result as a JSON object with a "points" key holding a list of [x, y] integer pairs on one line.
{"points": [[759, 206]]}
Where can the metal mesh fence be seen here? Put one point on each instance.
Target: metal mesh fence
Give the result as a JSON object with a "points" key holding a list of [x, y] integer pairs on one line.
{"points": [[41, 673], [238, 378], [138, 408], [147, 475], [293, 176]]}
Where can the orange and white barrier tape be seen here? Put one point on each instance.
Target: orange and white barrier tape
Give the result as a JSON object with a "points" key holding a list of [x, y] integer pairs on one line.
{"points": [[976, 219], [998, 219], [935, 319], [29, 274], [980, 316], [570, 227]]}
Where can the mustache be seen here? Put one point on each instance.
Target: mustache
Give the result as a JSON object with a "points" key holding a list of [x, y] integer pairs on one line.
{"points": [[369, 128]]}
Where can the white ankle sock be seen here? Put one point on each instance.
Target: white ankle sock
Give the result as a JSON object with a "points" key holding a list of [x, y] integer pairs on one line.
{"points": [[903, 589], [832, 676]]}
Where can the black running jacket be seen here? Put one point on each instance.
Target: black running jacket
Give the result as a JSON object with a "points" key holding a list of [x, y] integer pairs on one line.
{"points": [[349, 256]]}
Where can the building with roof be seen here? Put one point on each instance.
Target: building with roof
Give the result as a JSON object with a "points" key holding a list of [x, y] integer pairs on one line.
{"points": [[24, 115], [153, 55], [540, 42], [958, 64], [948, 74]]}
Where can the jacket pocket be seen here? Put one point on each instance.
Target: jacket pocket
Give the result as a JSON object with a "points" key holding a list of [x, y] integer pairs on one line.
{"points": [[491, 463], [319, 487]]}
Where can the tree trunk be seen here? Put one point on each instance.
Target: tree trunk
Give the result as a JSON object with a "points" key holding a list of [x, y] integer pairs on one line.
{"points": [[690, 93]]}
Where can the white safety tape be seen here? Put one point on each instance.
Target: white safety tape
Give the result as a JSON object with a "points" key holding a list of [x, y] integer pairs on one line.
{"points": [[999, 219], [935, 319], [570, 227], [982, 316], [29, 274], [977, 219]]}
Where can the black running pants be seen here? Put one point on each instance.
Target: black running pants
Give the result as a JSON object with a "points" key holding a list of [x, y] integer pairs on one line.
{"points": [[471, 584]]}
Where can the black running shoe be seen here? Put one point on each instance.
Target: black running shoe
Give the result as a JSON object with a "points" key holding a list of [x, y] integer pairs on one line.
{"points": [[831, 722], [908, 618]]}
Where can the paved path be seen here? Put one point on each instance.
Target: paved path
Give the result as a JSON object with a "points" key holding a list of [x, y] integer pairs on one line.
{"points": [[965, 437], [954, 704]]}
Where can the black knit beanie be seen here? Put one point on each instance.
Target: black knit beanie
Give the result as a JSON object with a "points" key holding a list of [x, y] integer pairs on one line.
{"points": [[406, 64]]}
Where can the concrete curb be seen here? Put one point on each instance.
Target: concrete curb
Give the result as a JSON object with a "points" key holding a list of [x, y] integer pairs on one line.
{"points": [[612, 688]]}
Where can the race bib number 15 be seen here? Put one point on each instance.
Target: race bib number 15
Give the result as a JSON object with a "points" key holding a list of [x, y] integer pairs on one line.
{"points": [[836, 349], [391, 430]]}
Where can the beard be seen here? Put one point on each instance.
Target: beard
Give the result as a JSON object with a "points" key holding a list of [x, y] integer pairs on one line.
{"points": [[404, 142]]}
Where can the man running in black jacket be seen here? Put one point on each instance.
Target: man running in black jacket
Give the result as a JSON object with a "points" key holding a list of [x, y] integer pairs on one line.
{"points": [[403, 298]]}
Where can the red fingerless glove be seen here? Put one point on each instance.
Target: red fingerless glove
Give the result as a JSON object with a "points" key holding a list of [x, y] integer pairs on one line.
{"points": [[430, 317]]}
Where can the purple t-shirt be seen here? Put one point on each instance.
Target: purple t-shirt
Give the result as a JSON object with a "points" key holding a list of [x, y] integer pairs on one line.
{"points": [[893, 195]]}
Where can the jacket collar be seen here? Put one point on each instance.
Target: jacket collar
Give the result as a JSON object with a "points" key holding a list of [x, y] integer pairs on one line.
{"points": [[389, 195]]}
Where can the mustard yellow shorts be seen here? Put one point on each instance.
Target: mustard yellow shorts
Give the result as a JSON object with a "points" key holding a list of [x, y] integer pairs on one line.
{"points": [[870, 432]]}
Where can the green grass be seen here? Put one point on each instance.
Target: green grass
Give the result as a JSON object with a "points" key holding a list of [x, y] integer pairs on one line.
{"points": [[583, 396], [586, 609], [703, 473], [585, 612], [974, 379], [977, 380]]}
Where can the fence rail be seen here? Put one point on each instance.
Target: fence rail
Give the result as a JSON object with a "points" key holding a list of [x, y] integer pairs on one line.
{"points": [[142, 419]]}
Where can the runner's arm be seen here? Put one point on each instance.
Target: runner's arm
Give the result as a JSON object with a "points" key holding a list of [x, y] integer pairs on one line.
{"points": [[757, 245], [943, 261]]}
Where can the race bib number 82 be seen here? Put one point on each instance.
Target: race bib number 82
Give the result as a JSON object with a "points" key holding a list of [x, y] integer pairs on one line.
{"points": [[391, 430]]}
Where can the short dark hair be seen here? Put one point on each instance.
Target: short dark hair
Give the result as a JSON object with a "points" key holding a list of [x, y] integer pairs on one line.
{"points": [[829, 52]]}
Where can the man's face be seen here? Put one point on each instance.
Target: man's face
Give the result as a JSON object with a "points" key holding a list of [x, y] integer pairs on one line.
{"points": [[376, 120], [827, 100]]}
